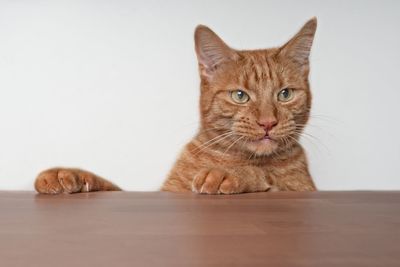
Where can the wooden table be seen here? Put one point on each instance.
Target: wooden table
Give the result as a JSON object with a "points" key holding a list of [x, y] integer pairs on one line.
{"points": [[166, 229]]}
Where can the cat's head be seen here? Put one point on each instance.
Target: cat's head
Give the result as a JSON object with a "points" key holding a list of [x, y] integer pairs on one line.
{"points": [[254, 100]]}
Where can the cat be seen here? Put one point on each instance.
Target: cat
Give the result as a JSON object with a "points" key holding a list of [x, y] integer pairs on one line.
{"points": [[254, 105]]}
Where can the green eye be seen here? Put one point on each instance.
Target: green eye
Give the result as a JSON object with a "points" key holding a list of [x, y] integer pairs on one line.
{"points": [[285, 95], [239, 96]]}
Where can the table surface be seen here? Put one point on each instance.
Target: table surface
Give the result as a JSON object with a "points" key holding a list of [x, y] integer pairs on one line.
{"points": [[167, 229]]}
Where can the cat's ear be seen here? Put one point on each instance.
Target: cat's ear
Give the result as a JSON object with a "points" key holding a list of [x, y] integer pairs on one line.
{"points": [[298, 48], [211, 50]]}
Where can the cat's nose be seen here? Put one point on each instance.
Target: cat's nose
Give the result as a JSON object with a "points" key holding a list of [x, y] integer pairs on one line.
{"points": [[268, 124]]}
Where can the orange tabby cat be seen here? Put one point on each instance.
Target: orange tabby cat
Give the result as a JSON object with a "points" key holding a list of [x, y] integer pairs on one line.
{"points": [[254, 105]]}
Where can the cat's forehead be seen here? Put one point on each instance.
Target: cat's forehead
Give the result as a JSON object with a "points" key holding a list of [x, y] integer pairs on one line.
{"points": [[259, 69]]}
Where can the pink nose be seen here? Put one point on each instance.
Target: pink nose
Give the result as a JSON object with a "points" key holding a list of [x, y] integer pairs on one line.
{"points": [[268, 124]]}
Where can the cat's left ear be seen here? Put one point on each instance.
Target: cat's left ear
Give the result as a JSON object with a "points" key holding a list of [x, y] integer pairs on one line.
{"points": [[298, 48], [211, 51]]}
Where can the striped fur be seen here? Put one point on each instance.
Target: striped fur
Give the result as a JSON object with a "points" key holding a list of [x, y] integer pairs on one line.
{"points": [[227, 156], [230, 153]]}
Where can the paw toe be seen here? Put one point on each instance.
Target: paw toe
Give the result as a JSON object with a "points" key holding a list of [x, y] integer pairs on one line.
{"points": [[208, 181], [229, 186], [213, 182], [198, 181]]}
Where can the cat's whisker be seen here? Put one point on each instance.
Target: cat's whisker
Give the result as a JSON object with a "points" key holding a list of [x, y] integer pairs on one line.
{"points": [[285, 141], [293, 139], [319, 128], [308, 135], [305, 134], [212, 142], [312, 139], [303, 126], [325, 119], [237, 140]]}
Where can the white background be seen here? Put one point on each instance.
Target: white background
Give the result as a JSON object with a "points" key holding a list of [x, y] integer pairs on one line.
{"points": [[112, 86]]}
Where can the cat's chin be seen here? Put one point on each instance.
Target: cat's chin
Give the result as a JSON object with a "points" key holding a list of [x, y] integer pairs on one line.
{"points": [[264, 146]]}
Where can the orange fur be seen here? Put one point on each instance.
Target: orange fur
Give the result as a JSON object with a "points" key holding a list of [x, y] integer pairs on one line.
{"points": [[228, 154], [71, 180], [240, 147]]}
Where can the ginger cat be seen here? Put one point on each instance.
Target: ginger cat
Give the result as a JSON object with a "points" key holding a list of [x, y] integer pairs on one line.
{"points": [[254, 105]]}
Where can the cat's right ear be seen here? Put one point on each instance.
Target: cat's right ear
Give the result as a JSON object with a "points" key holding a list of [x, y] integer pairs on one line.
{"points": [[298, 48], [211, 51]]}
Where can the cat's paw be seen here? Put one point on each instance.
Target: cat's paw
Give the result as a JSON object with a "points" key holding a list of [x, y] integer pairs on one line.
{"points": [[56, 181], [216, 181]]}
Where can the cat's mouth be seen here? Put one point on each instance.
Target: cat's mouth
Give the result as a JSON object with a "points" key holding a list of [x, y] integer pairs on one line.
{"points": [[266, 137], [263, 145], [266, 141]]}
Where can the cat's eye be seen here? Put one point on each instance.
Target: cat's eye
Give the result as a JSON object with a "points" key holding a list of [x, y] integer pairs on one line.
{"points": [[285, 95], [240, 96]]}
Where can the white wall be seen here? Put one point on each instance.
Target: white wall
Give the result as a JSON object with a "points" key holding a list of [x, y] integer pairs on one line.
{"points": [[112, 86]]}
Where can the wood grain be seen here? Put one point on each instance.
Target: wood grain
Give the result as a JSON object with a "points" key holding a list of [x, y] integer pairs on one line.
{"points": [[167, 229]]}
